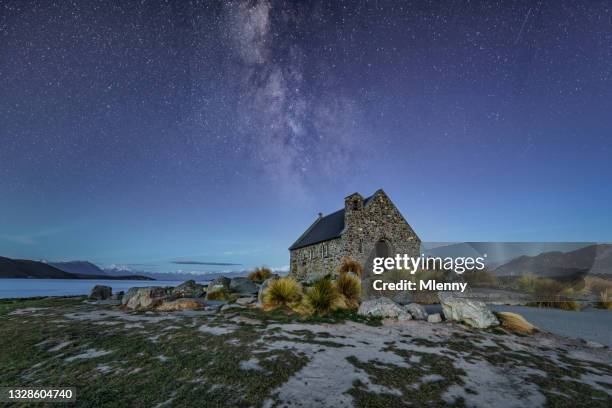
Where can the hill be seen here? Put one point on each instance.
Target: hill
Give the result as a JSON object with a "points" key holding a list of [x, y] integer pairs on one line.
{"points": [[78, 267], [26, 269], [593, 259]]}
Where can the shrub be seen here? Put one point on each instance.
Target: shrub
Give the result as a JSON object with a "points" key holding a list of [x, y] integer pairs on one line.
{"points": [[323, 297], [260, 274], [350, 287], [350, 265], [552, 293], [282, 292]]}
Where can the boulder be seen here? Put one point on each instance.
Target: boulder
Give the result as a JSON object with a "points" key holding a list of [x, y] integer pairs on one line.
{"points": [[263, 287], [417, 311], [246, 301], [434, 318], [220, 283], [188, 289], [180, 304], [471, 312], [118, 295], [243, 286], [383, 307], [144, 298], [101, 292]]}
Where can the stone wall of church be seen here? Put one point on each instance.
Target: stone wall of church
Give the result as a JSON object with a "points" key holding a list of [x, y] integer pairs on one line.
{"points": [[315, 260]]}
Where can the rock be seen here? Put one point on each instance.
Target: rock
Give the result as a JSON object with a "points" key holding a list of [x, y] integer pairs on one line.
{"points": [[263, 287], [180, 304], [230, 306], [220, 283], [246, 301], [144, 298], [417, 311], [383, 307], [434, 318], [118, 295], [471, 312], [101, 292], [243, 286], [188, 289]]}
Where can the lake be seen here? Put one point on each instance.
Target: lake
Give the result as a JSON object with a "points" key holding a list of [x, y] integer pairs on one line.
{"points": [[19, 288]]}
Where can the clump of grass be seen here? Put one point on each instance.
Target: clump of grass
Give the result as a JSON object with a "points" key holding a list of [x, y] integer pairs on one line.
{"points": [[349, 287], [323, 297], [515, 323], [260, 274], [605, 300], [217, 294], [282, 292], [350, 265], [552, 293]]}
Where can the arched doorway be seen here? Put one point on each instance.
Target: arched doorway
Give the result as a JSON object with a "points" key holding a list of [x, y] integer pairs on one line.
{"points": [[382, 249]]}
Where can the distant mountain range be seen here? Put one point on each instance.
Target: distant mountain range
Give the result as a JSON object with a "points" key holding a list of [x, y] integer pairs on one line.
{"points": [[592, 259], [26, 269]]}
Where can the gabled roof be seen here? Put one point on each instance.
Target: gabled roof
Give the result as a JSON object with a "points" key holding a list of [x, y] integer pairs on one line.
{"points": [[324, 229]]}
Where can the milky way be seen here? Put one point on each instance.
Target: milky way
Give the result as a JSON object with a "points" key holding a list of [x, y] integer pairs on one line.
{"points": [[138, 131]]}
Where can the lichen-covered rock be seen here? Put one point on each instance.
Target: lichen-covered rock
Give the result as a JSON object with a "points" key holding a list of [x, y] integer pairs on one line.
{"points": [[180, 304], [471, 312], [383, 307], [144, 298], [220, 283], [243, 286], [417, 311], [244, 301], [434, 318], [188, 289], [101, 292]]}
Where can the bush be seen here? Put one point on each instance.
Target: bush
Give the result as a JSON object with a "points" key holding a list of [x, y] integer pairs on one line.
{"points": [[282, 292], [323, 297], [350, 265], [552, 293], [260, 274], [527, 282], [515, 323], [350, 287]]}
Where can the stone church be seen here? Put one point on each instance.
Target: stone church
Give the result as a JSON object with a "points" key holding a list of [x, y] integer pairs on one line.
{"points": [[362, 230]]}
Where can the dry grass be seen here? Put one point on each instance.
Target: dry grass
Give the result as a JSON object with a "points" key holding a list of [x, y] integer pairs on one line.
{"points": [[552, 293], [181, 304], [323, 297], [350, 287], [527, 282], [605, 300], [515, 323], [260, 274], [217, 294], [480, 278], [350, 265], [282, 292]]}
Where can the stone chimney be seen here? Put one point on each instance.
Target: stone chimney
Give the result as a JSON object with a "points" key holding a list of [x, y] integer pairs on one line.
{"points": [[353, 205]]}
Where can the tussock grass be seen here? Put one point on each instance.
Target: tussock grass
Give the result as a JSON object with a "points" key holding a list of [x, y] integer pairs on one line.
{"points": [[553, 293], [282, 292], [260, 274], [323, 297], [349, 287], [605, 300], [350, 265], [602, 288], [515, 323], [217, 294]]}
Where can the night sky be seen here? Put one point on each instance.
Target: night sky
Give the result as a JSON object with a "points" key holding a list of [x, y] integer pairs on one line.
{"points": [[142, 133]]}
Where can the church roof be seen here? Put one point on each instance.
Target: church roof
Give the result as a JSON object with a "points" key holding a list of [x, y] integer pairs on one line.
{"points": [[324, 229]]}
